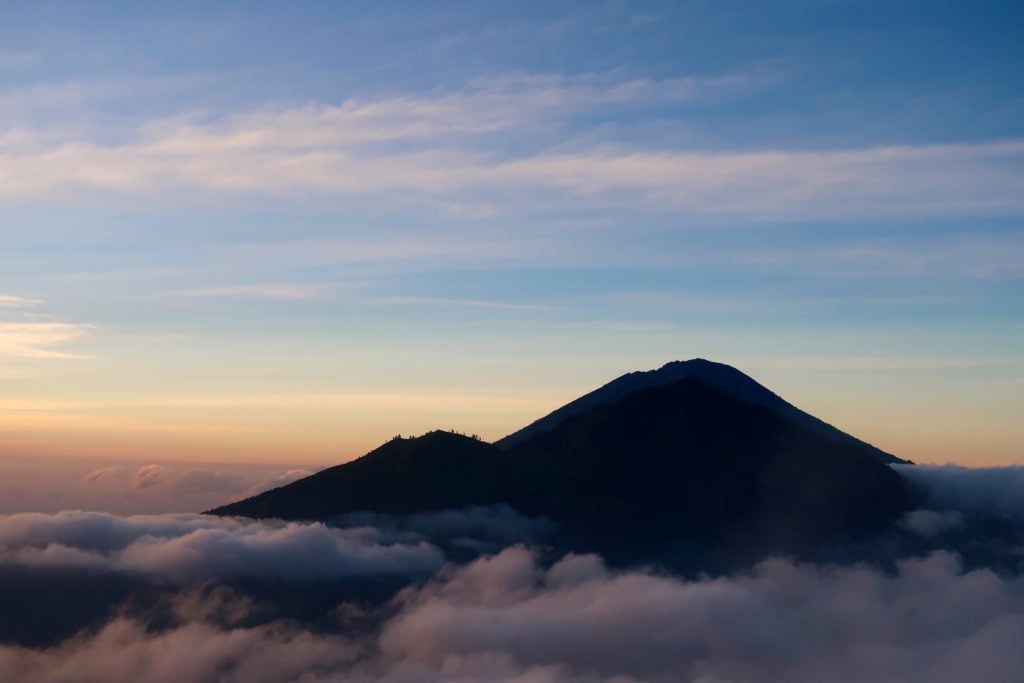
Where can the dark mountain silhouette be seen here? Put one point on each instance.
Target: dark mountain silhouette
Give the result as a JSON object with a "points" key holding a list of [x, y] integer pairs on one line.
{"points": [[723, 377], [439, 470], [681, 473], [685, 469]]}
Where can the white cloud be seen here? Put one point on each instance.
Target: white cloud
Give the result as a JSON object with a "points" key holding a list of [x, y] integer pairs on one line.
{"points": [[102, 475], [905, 179], [190, 547], [995, 257], [466, 303], [782, 622], [150, 476], [274, 292], [507, 618], [125, 650], [7, 301], [446, 146], [35, 339]]}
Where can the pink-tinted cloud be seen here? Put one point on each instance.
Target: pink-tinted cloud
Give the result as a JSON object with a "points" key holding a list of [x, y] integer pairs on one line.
{"points": [[150, 476], [102, 475], [186, 547], [509, 618]]}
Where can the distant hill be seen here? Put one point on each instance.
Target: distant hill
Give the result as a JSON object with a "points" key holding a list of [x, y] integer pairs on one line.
{"points": [[681, 472], [723, 377]]}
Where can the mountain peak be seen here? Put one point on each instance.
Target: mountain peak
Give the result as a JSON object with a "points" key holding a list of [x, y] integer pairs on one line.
{"points": [[721, 376]]}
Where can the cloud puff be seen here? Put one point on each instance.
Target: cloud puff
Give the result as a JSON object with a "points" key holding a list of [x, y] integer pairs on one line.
{"points": [[124, 650], [197, 547], [150, 476], [782, 622], [102, 475], [995, 491], [509, 618]]}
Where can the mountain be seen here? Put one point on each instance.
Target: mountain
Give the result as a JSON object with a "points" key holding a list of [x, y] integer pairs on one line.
{"points": [[723, 377], [685, 468], [682, 473]]}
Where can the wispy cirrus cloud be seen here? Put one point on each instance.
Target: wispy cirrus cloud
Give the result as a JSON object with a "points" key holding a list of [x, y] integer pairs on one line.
{"points": [[995, 257], [276, 292], [460, 303], [9, 301], [455, 148], [38, 339]]}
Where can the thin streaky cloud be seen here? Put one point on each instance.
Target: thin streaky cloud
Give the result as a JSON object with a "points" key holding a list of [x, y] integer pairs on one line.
{"points": [[438, 249], [118, 274], [382, 399], [450, 156], [274, 292], [468, 303], [36, 340], [997, 257], [9, 301], [895, 363]]}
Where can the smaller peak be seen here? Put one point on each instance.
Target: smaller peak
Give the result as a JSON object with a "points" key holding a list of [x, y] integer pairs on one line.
{"points": [[447, 435]]}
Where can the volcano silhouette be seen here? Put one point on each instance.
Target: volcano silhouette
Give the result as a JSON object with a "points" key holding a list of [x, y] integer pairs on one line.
{"points": [[694, 460]]}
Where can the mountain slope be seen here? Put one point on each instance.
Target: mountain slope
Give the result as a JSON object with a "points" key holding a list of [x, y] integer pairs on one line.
{"points": [[723, 377]]}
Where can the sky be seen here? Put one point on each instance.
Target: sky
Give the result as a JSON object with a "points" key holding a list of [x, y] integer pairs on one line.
{"points": [[253, 239]]}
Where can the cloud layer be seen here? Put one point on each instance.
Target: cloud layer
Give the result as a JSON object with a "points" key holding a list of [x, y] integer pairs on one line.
{"points": [[509, 617], [442, 145], [191, 547]]}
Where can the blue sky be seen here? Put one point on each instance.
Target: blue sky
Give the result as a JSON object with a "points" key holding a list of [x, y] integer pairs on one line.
{"points": [[339, 221]]}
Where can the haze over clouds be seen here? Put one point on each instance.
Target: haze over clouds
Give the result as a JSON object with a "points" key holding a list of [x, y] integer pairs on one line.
{"points": [[127, 486], [986, 490]]}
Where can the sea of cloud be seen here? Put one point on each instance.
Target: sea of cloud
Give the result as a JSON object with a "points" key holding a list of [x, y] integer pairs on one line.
{"points": [[508, 617], [518, 612]]}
